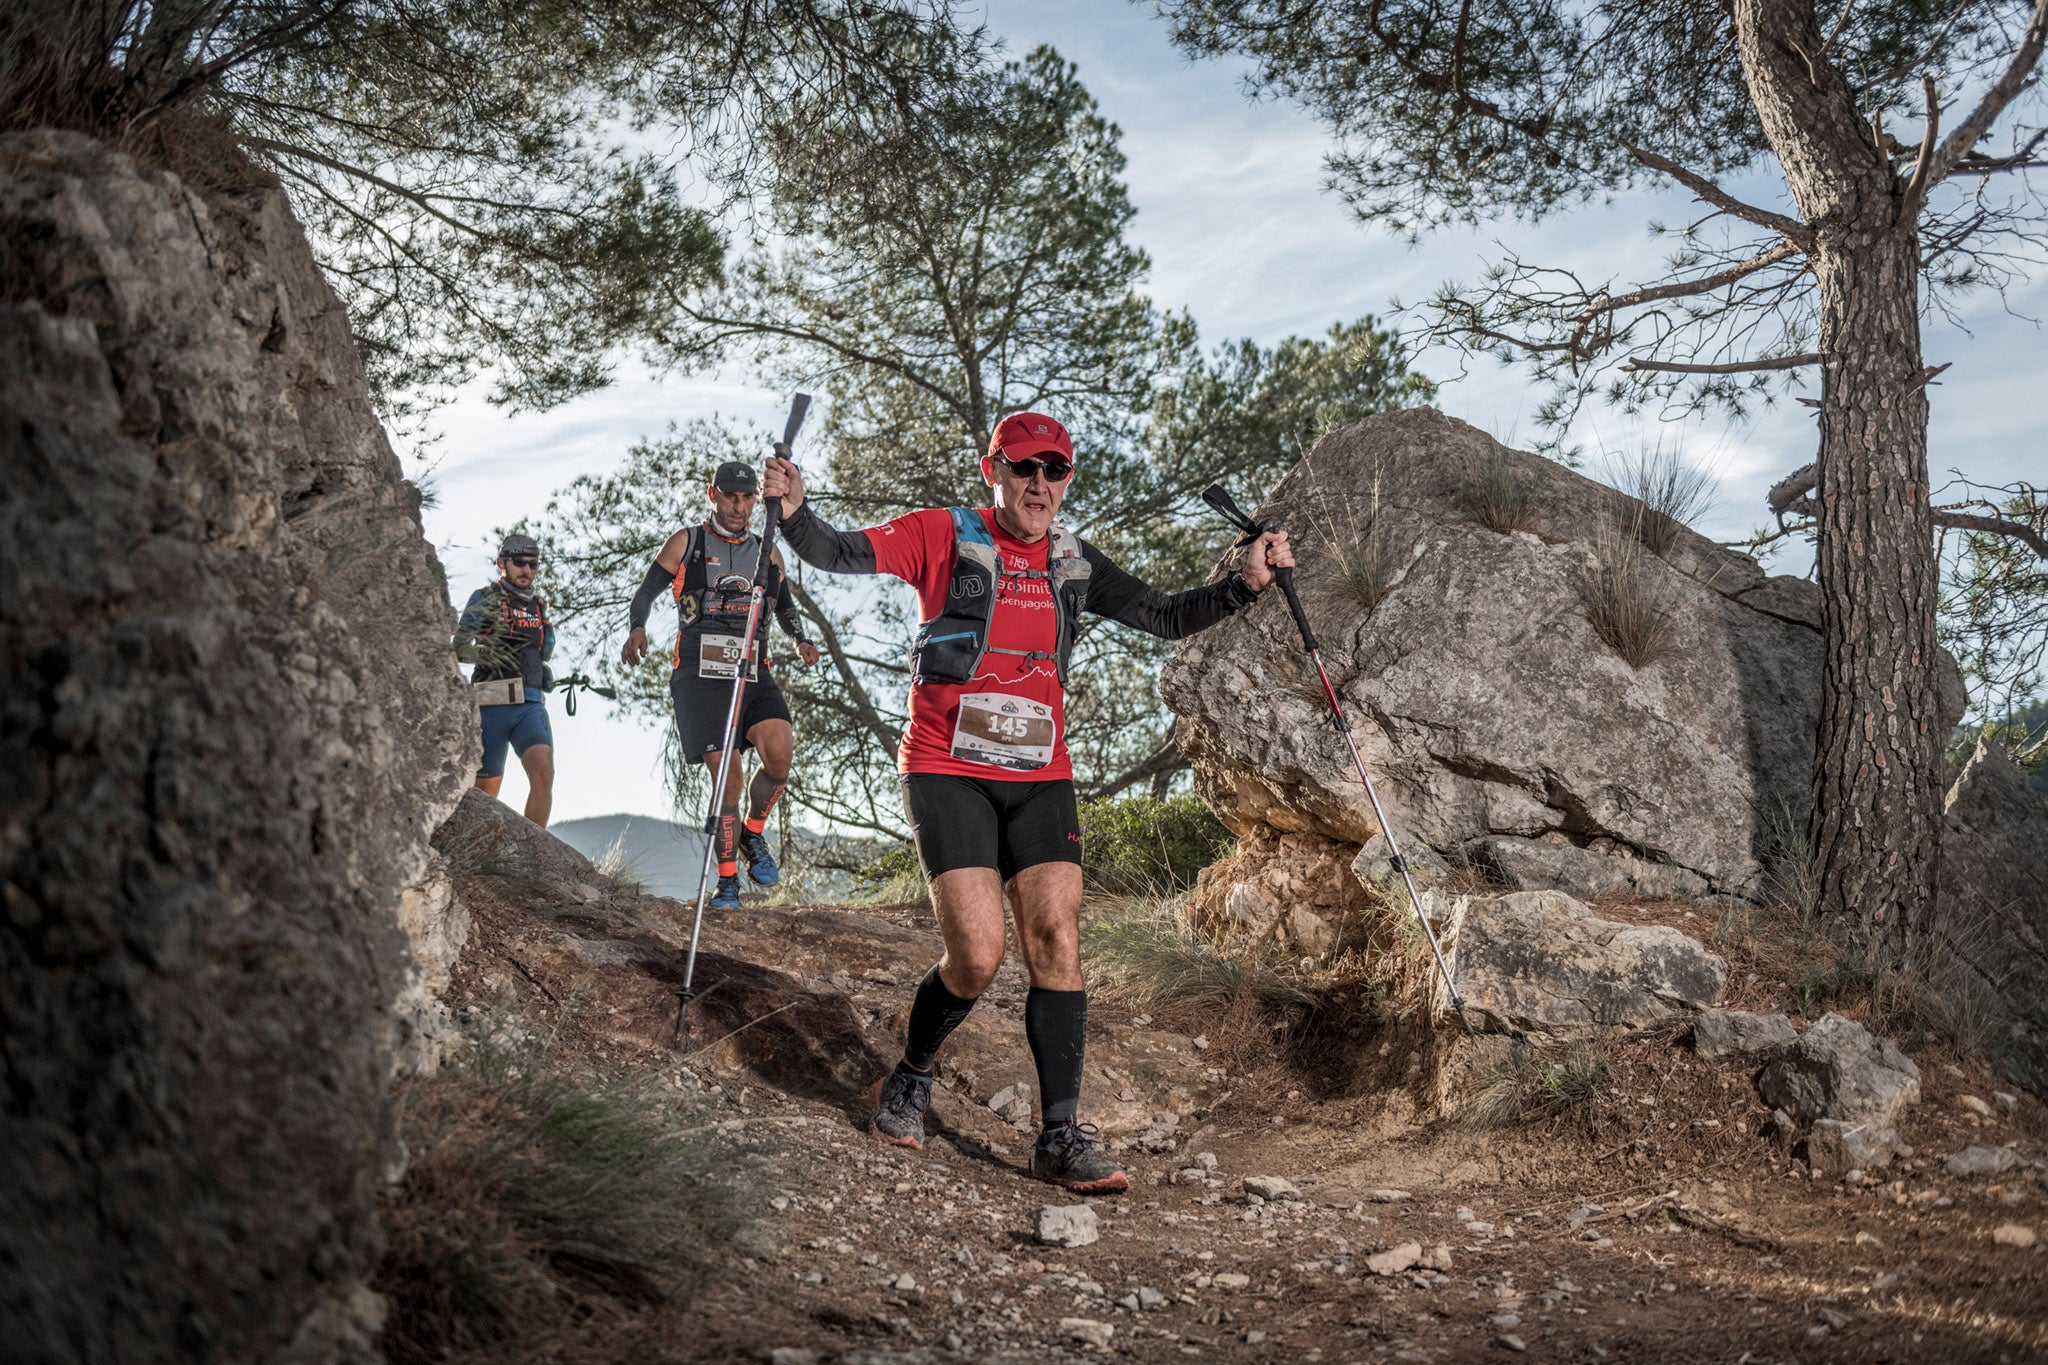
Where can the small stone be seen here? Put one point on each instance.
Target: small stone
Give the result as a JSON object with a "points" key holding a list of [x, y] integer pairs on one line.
{"points": [[905, 1281], [1190, 1175], [585, 892], [2006, 1101], [1149, 1299], [1977, 1163], [1254, 1338], [1230, 1279], [1270, 1187], [1833, 1317], [1088, 1331], [2014, 1235], [1508, 1341], [1974, 1105], [1439, 1257], [1394, 1260], [1201, 1042], [1465, 1215], [1390, 1196], [1068, 1225], [1724, 1035], [1506, 1320], [1582, 1213], [793, 1355], [1129, 1301]]}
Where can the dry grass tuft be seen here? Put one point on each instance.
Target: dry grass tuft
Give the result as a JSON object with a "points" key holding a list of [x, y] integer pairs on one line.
{"points": [[1149, 956], [1524, 1085], [543, 1210], [1633, 606], [1354, 530], [1499, 498], [1665, 494]]}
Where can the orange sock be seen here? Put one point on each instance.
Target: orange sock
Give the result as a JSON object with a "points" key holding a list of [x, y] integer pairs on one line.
{"points": [[756, 826]]}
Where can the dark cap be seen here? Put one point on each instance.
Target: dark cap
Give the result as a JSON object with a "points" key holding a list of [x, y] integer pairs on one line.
{"points": [[734, 477], [516, 544]]}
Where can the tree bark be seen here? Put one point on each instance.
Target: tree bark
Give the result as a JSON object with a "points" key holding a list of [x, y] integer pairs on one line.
{"points": [[1878, 771]]}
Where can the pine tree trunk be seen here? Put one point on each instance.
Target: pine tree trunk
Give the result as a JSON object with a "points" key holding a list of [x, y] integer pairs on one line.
{"points": [[1877, 780], [1878, 771]]}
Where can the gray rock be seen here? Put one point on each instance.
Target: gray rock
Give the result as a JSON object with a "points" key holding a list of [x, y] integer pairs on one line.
{"points": [[1149, 1299], [793, 1355], [1994, 868], [2007, 1102], [1088, 1330], [1837, 1070], [231, 717], [1510, 1342], [2013, 1235], [1454, 678], [1395, 1259], [1835, 1148], [1068, 1225], [1975, 1105], [1982, 1163], [1270, 1187], [1726, 1035], [1540, 962], [1555, 863], [1390, 1196]]}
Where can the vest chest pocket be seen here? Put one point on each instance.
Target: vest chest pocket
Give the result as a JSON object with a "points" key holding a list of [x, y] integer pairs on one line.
{"points": [[1004, 731]]}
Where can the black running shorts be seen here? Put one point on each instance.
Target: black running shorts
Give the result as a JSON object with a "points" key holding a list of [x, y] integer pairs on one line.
{"points": [[975, 822], [700, 710]]}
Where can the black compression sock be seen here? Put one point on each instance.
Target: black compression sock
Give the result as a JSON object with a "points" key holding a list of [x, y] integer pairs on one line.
{"points": [[935, 1013], [1056, 1026]]}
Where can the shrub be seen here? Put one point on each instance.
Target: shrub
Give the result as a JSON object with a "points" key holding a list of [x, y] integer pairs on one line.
{"points": [[1632, 606], [1149, 845], [892, 878]]}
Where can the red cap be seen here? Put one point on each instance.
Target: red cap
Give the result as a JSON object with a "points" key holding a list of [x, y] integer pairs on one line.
{"points": [[1024, 434]]}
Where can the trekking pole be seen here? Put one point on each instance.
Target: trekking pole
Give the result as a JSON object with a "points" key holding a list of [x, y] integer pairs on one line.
{"points": [[799, 408], [1232, 513]]}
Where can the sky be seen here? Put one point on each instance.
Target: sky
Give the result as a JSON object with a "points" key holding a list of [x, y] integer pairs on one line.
{"points": [[1232, 210]]}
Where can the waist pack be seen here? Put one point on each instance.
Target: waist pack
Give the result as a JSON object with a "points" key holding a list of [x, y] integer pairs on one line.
{"points": [[499, 692]]}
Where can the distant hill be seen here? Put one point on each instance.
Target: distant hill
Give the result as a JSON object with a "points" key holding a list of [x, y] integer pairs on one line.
{"points": [[667, 858]]}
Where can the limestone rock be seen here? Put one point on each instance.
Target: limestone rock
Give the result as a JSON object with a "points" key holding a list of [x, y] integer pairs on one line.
{"points": [[1395, 1259], [2013, 1235], [1540, 962], [230, 719], [1994, 868], [1838, 1070], [1270, 1187], [1068, 1225], [1982, 1163], [1088, 1331], [1835, 1148], [1483, 701], [1726, 1035]]}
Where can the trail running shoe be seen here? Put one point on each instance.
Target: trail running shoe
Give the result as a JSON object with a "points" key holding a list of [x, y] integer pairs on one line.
{"points": [[727, 896], [1066, 1155], [760, 862], [901, 1099]]}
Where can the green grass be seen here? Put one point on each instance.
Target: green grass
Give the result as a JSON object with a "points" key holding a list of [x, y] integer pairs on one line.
{"points": [[1149, 845], [538, 1203]]}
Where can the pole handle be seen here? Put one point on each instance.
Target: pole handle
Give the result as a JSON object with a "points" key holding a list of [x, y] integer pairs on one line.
{"points": [[1285, 578]]}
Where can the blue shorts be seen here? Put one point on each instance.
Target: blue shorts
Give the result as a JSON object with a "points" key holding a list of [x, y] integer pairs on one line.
{"points": [[521, 726]]}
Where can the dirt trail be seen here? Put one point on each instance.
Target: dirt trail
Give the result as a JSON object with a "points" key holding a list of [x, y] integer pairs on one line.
{"points": [[1700, 1244]]}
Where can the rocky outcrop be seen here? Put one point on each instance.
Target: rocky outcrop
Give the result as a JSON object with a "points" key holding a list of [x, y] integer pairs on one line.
{"points": [[1499, 724], [230, 722], [1539, 962], [1994, 905]]}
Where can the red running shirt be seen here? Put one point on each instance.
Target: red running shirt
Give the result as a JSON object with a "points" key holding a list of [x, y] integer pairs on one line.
{"points": [[918, 548]]}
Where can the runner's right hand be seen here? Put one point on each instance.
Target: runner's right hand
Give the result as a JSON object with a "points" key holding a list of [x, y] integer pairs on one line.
{"points": [[636, 647], [780, 479]]}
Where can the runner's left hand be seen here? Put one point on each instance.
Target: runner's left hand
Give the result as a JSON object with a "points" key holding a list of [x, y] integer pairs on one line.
{"points": [[1269, 552], [808, 652]]}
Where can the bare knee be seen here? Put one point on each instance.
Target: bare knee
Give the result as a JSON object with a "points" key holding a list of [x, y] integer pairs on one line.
{"points": [[969, 974], [539, 762]]}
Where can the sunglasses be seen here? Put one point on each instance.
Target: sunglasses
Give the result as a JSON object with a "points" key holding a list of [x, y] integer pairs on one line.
{"points": [[523, 561], [1056, 471]]}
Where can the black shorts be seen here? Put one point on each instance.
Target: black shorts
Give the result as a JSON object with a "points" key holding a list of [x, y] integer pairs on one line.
{"points": [[700, 711], [975, 822]]}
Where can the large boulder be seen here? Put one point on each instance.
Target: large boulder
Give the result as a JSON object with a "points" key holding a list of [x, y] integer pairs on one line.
{"points": [[1540, 962], [1499, 725], [1839, 1070], [230, 722], [1994, 863]]}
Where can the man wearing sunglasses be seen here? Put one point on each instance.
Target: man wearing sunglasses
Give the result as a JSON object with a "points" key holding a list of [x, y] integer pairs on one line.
{"points": [[987, 784], [504, 631]]}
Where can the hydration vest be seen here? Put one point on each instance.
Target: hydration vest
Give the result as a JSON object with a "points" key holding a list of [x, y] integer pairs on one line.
{"points": [[951, 646], [714, 588]]}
